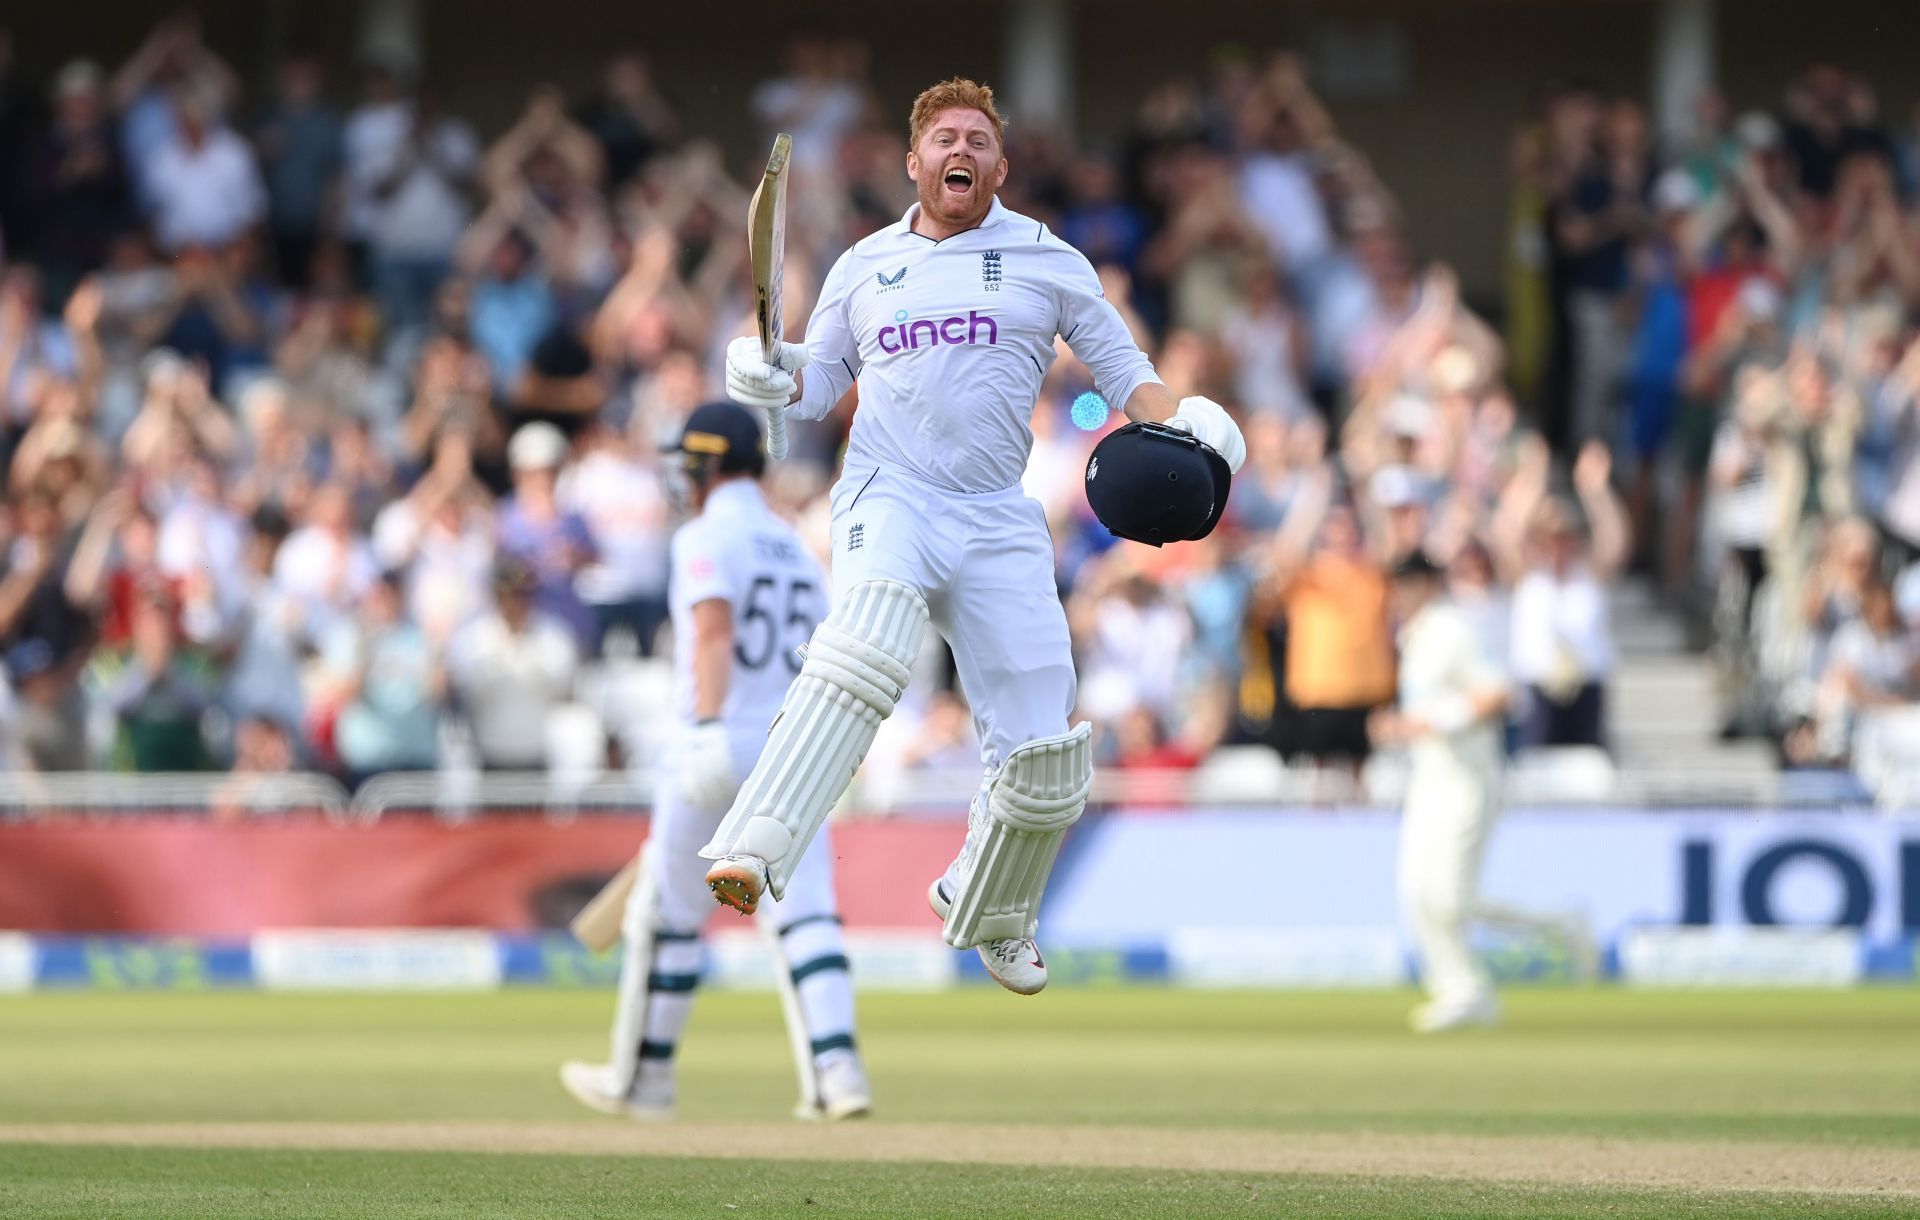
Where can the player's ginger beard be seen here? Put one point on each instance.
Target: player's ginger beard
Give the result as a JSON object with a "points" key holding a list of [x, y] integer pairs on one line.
{"points": [[944, 213]]}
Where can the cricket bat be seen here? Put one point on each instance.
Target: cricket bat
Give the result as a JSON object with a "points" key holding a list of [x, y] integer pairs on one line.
{"points": [[597, 926], [766, 246]]}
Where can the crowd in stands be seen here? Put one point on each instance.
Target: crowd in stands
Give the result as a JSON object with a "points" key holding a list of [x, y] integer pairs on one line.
{"points": [[1734, 315], [330, 429]]}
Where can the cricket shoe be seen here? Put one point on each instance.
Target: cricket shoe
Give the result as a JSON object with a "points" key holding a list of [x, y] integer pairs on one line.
{"points": [[738, 882], [841, 1084], [1434, 1017], [1015, 962], [592, 1085]]}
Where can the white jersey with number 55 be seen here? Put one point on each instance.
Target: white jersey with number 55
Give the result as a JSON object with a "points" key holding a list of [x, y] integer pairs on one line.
{"points": [[737, 550]]}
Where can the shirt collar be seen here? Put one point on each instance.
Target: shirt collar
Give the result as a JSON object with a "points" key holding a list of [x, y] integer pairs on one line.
{"points": [[996, 213], [735, 492]]}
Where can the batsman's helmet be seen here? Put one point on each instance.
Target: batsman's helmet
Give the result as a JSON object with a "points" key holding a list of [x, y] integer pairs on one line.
{"points": [[721, 438], [1156, 484]]}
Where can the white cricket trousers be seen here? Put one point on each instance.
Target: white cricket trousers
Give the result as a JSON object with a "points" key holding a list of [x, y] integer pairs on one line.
{"points": [[656, 987], [984, 562], [1443, 838]]}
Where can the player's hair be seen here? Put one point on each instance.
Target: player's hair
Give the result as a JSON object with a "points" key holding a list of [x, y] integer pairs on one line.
{"points": [[961, 92]]}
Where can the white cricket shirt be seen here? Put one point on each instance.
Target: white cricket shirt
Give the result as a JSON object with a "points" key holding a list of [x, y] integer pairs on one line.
{"points": [[739, 551], [950, 341], [1442, 659]]}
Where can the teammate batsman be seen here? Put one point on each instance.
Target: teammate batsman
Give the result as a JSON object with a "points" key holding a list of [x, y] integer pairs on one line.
{"points": [[947, 320], [745, 594]]}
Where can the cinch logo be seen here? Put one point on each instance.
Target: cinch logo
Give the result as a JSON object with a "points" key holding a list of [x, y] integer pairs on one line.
{"points": [[908, 336]]}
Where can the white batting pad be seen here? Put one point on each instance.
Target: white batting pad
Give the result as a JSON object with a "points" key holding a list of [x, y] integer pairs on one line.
{"points": [[857, 667], [1040, 791]]}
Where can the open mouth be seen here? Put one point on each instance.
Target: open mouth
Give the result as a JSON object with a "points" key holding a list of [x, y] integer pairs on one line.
{"points": [[959, 180]]}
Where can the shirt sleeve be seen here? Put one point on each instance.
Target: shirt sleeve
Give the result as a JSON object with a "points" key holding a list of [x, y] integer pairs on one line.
{"points": [[1095, 331], [835, 353], [699, 568]]}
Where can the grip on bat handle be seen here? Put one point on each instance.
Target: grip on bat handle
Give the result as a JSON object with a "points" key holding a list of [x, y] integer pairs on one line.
{"points": [[777, 434]]}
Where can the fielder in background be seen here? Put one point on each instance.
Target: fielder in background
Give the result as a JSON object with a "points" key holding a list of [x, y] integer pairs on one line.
{"points": [[947, 320], [745, 594], [1452, 708]]}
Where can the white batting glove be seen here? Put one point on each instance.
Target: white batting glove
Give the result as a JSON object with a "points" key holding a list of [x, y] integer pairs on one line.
{"points": [[706, 767], [1206, 420], [752, 382]]}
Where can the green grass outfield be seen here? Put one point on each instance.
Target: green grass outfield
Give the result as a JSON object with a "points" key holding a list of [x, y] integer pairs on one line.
{"points": [[1601, 1102]]}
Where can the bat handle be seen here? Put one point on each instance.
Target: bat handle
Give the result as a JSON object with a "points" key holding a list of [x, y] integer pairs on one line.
{"points": [[777, 434]]}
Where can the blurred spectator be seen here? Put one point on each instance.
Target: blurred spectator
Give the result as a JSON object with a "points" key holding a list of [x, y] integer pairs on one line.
{"points": [[264, 643], [944, 738], [535, 528], [202, 185], [300, 141], [1562, 640], [511, 668], [543, 178], [1197, 256], [115, 562], [46, 638], [1131, 639], [1098, 222], [513, 307], [814, 101], [1267, 346], [440, 535], [1874, 662], [328, 359], [415, 168], [75, 185], [262, 749], [1591, 211], [451, 397], [628, 118], [620, 497], [1277, 121], [1141, 744], [1339, 650], [33, 347], [325, 567], [171, 63], [560, 385], [219, 312], [1830, 116], [386, 679], [159, 692], [372, 143]]}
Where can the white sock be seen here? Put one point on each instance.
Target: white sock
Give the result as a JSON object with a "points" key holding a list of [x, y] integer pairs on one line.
{"points": [[671, 980], [816, 954]]}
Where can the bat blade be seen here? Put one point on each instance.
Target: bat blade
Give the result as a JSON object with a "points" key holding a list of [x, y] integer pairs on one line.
{"points": [[767, 243], [766, 248], [597, 926]]}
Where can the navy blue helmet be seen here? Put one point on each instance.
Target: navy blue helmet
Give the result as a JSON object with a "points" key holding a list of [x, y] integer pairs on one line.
{"points": [[1156, 484]]}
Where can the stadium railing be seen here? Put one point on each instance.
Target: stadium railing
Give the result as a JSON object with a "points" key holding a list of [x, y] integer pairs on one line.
{"points": [[1247, 777], [34, 794]]}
